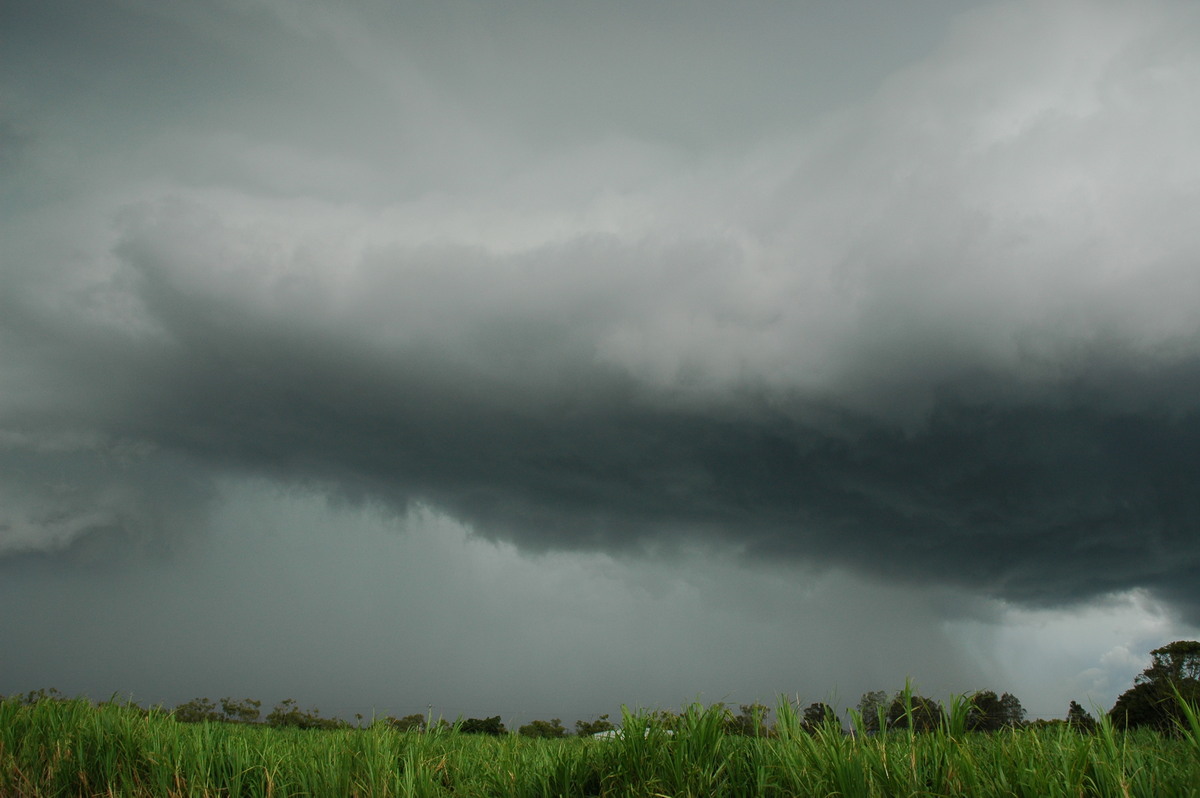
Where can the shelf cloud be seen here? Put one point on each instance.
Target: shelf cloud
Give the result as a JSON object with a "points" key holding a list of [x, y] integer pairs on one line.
{"points": [[930, 319]]}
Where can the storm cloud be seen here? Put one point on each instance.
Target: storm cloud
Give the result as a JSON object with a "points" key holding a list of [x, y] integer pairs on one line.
{"points": [[928, 319]]}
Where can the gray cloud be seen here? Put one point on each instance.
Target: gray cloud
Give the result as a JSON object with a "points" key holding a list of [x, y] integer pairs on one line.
{"points": [[478, 384], [933, 323]]}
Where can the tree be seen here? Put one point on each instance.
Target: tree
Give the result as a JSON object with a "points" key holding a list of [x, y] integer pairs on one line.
{"points": [[244, 711], [1043, 723], [491, 726], [750, 722], [1080, 719], [817, 715], [39, 695], [198, 710], [1175, 662], [1153, 701], [201, 710], [914, 712], [664, 719], [987, 712], [550, 729], [1144, 704], [984, 711], [414, 722], [287, 713], [1011, 711], [586, 728], [873, 707]]}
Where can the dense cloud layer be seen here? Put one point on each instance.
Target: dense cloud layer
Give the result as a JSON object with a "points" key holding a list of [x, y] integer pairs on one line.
{"points": [[944, 333]]}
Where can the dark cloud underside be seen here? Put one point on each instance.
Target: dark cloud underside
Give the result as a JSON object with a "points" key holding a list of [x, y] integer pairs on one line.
{"points": [[1077, 488], [934, 320]]}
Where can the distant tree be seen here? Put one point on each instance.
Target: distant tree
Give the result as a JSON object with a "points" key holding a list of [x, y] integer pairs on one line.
{"points": [[1153, 701], [548, 729], [873, 707], [988, 712], [915, 712], [198, 710], [287, 713], [984, 712], [586, 728], [1174, 662], [665, 719], [414, 722], [1043, 723], [730, 723], [39, 695], [1011, 711], [244, 711], [1080, 719], [1142, 705], [818, 714], [750, 722], [491, 726]]}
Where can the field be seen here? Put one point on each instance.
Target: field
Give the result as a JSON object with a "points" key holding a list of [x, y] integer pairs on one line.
{"points": [[76, 748]]}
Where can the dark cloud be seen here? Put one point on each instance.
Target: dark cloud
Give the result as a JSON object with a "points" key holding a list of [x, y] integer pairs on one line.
{"points": [[922, 308], [1048, 494], [86, 496]]}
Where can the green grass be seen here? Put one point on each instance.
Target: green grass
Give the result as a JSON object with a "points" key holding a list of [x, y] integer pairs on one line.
{"points": [[75, 748]]}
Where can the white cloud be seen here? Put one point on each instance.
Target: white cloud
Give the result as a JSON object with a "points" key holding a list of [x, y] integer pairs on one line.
{"points": [[1089, 653]]}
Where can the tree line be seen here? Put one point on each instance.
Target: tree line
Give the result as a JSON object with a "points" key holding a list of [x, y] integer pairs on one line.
{"points": [[1164, 697], [1161, 698]]}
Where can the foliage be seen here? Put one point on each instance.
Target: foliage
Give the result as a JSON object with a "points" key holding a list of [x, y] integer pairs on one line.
{"points": [[750, 722], [287, 713], [75, 748], [203, 710], [36, 696], [1080, 719], [1011, 711], [872, 708], [817, 715], [414, 722], [988, 712], [547, 729], [1174, 662], [665, 719], [245, 711], [585, 728], [198, 710], [1048, 723], [491, 726], [1159, 692], [914, 712]]}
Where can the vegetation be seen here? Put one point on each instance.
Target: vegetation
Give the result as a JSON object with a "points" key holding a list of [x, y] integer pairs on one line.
{"points": [[491, 726], [976, 745], [989, 712], [586, 728], [407, 723], [817, 715], [59, 747], [750, 722], [550, 729], [1160, 693]]}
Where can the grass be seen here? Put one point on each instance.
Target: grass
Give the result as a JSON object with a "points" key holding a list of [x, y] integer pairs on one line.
{"points": [[57, 747]]}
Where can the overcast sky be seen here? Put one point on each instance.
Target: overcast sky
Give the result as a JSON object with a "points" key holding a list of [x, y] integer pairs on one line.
{"points": [[533, 358]]}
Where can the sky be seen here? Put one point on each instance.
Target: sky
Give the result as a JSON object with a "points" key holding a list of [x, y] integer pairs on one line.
{"points": [[533, 359]]}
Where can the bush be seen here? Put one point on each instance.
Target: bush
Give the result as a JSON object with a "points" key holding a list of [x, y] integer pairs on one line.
{"points": [[585, 728], [491, 726], [287, 713], [548, 729]]}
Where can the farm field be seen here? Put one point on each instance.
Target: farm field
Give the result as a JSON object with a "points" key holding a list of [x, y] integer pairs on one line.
{"points": [[58, 747]]}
